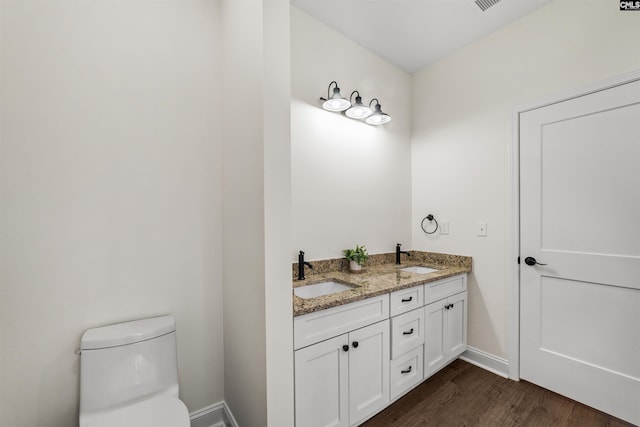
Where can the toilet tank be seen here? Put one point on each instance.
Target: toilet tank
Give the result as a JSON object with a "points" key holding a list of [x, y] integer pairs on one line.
{"points": [[126, 362]]}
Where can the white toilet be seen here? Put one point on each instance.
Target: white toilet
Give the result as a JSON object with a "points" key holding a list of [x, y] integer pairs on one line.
{"points": [[129, 376]]}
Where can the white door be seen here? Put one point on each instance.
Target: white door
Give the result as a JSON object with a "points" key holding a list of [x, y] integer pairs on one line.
{"points": [[580, 215], [368, 370], [321, 384]]}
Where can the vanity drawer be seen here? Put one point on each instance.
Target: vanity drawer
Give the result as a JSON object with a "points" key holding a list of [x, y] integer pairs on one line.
{"points": [[444, 288], [406, 300], [406, 372], [315, 327], [407, 332]]}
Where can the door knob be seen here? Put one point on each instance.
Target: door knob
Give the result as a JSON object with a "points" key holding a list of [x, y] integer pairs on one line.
{"points": [[355, 344], [532, 261], [345, 347]]}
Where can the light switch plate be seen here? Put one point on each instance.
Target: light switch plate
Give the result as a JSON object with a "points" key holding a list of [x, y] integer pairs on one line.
{"points": [[482, 228], [444, 227]]}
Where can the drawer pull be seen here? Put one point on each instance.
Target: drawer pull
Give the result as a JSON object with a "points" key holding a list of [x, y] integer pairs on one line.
{"points": [[406, 371], [408, 333], [408, 299]]}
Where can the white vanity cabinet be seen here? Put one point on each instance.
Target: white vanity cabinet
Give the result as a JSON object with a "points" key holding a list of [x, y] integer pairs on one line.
{"points": [[342, 380], [431, 335], [368, 371], [445, 331], [322, 384], [407, 339], [352, 360]]}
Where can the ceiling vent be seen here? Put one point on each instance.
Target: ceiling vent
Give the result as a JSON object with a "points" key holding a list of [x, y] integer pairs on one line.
{"points": [[486, 4]]}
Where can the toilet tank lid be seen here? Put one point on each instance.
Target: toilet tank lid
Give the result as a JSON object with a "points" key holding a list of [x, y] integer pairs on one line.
{"points": [[127, 333]]}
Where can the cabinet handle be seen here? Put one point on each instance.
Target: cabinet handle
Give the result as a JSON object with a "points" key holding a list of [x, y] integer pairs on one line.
{"points": [[406, 371], [355, 344], [345, 347], [408, 333], [408, 299]]}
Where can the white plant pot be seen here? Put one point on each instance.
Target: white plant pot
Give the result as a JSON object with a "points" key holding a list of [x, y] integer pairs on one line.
{"points": [[354, 266]]}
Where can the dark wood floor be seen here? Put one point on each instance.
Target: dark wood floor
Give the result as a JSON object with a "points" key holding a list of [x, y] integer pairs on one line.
{"points": [[465, 395]]}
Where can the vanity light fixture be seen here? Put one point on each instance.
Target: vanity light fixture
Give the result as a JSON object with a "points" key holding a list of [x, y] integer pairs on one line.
{"points": [[378, 117], [357, 110], [335, 102]]}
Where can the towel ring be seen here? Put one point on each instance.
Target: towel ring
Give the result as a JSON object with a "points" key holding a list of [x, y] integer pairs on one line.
{"points": [[431, 218]]}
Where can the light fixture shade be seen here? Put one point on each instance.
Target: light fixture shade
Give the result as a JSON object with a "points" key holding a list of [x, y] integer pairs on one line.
{"points": [[335, 102], [358, 110], [378, 117]]}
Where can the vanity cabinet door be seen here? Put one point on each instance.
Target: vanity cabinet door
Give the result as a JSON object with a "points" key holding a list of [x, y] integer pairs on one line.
{"points": [[456, 332], [445, 332], [368, 371], [322, 384], [434, 345]]}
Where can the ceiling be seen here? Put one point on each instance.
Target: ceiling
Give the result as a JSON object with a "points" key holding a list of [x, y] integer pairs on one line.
{"points": [[415, 33]]}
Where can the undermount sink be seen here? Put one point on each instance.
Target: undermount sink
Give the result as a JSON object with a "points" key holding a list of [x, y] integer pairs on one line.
{"points": [[320, 289], [419, 270]]}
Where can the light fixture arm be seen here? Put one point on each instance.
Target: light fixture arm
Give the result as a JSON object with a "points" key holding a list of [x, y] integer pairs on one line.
{"points": [[334, 102], [358, 97], [329, 89], [374, 99]]}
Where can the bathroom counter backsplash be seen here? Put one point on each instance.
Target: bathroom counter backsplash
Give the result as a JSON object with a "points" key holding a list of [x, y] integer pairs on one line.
{"points": [[380, 275]]}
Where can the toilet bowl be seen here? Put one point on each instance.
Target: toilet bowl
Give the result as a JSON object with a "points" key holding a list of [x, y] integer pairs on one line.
{"points": [[129, 376], [161, 411]]}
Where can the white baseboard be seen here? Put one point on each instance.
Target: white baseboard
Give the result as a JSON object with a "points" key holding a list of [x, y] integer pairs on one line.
{"points": [[491, 363], [230, 420], [216, 415]]}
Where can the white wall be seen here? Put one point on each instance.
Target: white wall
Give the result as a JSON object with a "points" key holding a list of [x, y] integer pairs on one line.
{"points": [[243, 212], [462, 133], [277, 212], [258, 330], [351, 182], [110, 191]]}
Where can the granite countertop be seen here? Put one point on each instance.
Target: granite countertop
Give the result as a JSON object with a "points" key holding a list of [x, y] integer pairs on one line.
{"points": [[379, 276]]}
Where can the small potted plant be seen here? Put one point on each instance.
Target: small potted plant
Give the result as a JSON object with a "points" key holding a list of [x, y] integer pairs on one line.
{"points": [[357, 257]]}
